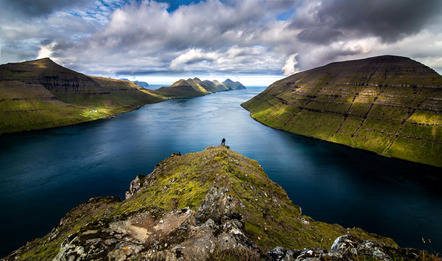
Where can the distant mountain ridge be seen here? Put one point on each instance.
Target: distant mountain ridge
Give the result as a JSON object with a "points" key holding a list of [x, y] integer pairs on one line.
{"points": [[41, 94], [196, 87], [139, 83], [390, 105]]}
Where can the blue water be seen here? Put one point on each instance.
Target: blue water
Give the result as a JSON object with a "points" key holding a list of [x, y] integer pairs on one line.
{"points": [[44, 174]]}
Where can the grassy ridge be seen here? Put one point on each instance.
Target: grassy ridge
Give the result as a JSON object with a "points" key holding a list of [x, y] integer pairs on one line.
{"points": [[270, 218], [41, 94], [389, 105]]}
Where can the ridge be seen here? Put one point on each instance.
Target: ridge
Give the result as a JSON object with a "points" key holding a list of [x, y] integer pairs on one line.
{"points": [[214, 204]]}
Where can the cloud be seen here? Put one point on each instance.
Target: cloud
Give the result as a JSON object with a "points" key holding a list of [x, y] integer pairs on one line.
{"points": [[289, 67], [390, 20], [147, 37], [45, 50], [33, 8], [320, 35], [191, 56]]}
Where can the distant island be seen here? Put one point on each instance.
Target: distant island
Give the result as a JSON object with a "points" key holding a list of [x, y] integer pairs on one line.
{"points": [[389, 105], [142, 84], [139, 83], [195, 88], [41, 94], [214, 204]]}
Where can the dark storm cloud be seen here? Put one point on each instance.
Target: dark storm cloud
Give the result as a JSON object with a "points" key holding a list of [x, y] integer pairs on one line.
{"points": [[390, 20], [34, 8], [319, 35]]}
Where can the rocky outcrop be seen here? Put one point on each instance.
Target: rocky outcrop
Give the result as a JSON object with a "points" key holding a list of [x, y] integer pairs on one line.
{"points": [[388, 104], [135, 185], [209, 205], [348, 247], [153, 234]]}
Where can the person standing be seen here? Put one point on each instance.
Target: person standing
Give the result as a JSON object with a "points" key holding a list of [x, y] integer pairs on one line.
{"points": [[223, 142]]}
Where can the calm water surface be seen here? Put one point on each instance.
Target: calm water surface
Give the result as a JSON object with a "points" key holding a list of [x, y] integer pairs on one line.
{"points": [[46, 173]]}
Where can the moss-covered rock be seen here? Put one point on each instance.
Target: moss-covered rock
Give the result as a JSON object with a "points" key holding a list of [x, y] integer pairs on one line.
{"points": [[388, 104]]}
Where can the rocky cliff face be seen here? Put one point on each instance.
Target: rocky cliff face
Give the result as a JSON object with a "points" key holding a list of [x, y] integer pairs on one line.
{"points": [[214, 204], [42, 94], [389, 105]]}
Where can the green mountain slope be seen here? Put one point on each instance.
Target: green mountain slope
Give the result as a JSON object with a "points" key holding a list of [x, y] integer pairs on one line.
{"points": [[389, 105], [42, 94], [195, 88], [215, 204]]}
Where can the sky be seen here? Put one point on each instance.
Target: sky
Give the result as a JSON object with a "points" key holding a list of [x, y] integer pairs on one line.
{"points": [[254, 41]]}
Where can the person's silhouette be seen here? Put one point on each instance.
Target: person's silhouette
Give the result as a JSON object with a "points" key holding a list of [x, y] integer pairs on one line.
{"points": [[223, 142]]}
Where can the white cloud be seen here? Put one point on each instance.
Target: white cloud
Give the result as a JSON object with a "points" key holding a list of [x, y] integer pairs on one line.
{"points": [[289, 67], [192, 56], [46, 50]]}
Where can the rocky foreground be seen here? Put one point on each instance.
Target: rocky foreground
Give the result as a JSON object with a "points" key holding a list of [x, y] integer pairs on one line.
{"points": [[210, 205]]}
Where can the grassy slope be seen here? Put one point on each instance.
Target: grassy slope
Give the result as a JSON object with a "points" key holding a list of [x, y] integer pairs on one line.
{"points": [[28, 106], [41, 94], [270, 217], [389, 105]]}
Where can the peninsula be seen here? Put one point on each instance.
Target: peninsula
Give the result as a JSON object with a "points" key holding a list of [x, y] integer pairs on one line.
{"points": [[389, 105]]}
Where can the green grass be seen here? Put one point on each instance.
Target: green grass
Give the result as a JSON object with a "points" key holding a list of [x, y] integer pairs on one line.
{"points": [[418, 150], [315, 124]]}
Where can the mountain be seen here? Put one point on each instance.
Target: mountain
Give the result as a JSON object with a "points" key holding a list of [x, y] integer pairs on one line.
{"points": [[233, 85], [195, 88], [42, 94], [215, 204], [142, 84], [139, 83], [389, 105]]}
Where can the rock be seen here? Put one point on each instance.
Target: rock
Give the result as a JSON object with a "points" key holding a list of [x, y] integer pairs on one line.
{"points": [[216, 204], [175, 234], [348, 247], [135, 185], [280, 253]]}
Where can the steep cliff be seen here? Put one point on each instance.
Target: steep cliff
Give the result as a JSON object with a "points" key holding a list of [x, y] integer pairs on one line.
{"points": [[42, 94], [215, 204], [388, 104]]}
